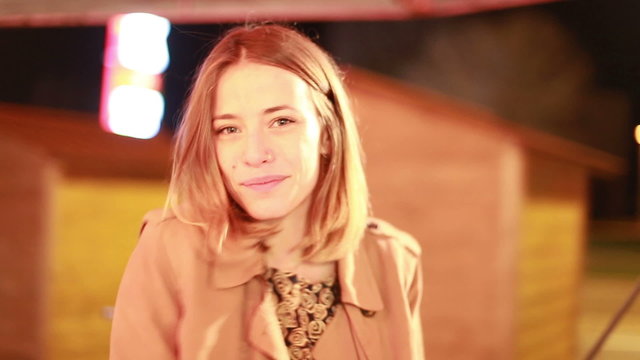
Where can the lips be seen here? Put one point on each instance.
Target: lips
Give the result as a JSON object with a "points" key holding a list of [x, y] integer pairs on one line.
{"points": [[264, 183]]}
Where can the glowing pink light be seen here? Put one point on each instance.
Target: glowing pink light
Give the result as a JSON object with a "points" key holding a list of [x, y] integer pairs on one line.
{"points": [[136, 55]]}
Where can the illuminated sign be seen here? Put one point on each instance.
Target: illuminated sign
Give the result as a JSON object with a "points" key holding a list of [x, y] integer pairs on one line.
{"points": [[135, 57]]}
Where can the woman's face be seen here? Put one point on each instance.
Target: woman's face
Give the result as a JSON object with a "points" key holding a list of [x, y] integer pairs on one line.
{"points": [[267, 139]]}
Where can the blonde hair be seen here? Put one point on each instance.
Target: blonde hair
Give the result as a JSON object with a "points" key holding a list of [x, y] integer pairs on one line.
{"points": [[339, 205]]}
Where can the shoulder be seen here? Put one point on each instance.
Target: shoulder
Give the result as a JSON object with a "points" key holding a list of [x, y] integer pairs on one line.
{"points": [[152, 218], [384, 234], [393, 254], [165, 224], [163, 233]]}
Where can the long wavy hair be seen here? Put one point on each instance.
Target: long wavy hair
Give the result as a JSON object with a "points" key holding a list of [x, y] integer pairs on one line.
{"points": [[339, 205]]}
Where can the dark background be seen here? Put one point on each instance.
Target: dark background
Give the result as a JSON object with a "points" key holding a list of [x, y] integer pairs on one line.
{"points": [[61, 67]]}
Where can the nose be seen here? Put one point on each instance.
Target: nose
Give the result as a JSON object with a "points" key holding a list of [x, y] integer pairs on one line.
{"points": [[257, 150]]}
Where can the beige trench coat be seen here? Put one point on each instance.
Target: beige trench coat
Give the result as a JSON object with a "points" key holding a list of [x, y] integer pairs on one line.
{"points": [[173, 303]]}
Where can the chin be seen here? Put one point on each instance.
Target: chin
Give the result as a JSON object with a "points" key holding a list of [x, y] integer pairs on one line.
{"points": [[266, 213], [273, 208]]}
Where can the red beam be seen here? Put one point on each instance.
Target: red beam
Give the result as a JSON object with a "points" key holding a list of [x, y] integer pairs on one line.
{"points": [[185, 12]]}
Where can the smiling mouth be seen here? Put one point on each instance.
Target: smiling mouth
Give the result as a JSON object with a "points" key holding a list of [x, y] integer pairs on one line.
{"points": [[264, 183]]}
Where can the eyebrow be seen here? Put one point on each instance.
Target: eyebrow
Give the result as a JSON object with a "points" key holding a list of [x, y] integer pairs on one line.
{"points": [[266, 111], [278, 108]]}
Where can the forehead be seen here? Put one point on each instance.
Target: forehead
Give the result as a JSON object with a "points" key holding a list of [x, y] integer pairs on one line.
{"points": [[248, 86]]}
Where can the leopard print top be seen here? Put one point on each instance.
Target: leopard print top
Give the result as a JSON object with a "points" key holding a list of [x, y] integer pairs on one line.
{"points": [[304, 310]]}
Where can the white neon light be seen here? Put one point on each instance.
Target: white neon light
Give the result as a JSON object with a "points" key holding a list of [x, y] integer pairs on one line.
{"points": [[142, 43], [135, 111]]}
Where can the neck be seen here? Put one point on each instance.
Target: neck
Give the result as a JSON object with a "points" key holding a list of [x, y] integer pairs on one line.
{"points": [[284, 251]]}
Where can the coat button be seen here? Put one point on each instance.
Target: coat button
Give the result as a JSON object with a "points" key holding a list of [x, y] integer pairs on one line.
{"points": [[367, 313]]}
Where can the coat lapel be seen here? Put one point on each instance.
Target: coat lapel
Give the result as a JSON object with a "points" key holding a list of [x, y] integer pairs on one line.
{"points": [[237, 263], [361, 301], [263, 330], [366, 333], [336, 342], [242, 262], [358, 285]]}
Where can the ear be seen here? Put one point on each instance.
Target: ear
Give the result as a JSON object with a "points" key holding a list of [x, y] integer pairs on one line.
{"points": [[325, 144]]}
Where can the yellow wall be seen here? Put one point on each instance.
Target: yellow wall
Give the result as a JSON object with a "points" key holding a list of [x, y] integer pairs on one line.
{"points": [[550, 260], [96, 228]]}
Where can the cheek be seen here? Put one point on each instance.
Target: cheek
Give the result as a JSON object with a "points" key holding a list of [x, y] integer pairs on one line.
{"points": [[225, 158], [308, 154]]}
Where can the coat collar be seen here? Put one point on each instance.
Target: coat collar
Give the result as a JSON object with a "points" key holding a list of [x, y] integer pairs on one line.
{"points": [[240, 261]]}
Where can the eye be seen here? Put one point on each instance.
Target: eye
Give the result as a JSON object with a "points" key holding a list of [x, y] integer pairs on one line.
{"points": [[282, 122], [227, 130]]}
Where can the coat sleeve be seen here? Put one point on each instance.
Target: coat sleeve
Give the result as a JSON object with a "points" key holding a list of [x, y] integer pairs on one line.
{"points": [[147, 306]]}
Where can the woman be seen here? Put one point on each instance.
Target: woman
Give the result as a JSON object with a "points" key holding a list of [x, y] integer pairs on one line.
{"points": [[264, 250]]}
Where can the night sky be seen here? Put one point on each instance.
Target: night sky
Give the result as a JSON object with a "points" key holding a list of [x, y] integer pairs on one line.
{"points": [[62, 67]]}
